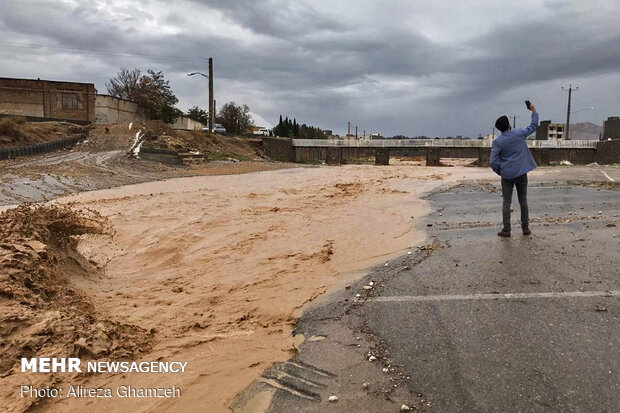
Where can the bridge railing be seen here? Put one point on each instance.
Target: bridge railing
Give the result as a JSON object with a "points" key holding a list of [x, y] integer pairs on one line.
{"points": [[435, 143], [572, 144]]}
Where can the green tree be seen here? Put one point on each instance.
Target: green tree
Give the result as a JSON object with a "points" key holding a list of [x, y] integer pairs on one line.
{"points": [[235, 118], [198, 114], [291, 128], [169, 114], [295, 128]]}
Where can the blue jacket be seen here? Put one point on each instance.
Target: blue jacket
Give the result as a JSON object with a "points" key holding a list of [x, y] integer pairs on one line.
{"points": [[510, 156]]}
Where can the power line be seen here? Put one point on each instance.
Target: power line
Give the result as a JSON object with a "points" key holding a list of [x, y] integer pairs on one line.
{"points": [[99, 52]]}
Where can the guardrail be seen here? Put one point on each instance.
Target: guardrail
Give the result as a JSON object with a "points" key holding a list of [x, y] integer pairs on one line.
{"points": [[15, 151], [435, 143]]}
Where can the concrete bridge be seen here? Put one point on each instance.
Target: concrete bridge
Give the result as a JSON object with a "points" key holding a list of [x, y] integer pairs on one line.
{"points": [[339, 151]]}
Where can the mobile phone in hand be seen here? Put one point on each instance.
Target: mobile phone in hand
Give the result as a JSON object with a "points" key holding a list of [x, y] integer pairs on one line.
{"points": [[528, 104]]}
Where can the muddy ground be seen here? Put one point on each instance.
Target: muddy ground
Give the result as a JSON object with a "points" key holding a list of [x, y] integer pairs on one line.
{"points": [[105, 160]]}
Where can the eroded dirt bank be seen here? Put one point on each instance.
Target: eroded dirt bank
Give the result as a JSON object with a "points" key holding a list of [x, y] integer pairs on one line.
{"points": [[218, 268], [105, 159]]}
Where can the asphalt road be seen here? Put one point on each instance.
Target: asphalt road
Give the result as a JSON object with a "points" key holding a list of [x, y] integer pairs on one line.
{"points": [[472, 322], [554, 347]]}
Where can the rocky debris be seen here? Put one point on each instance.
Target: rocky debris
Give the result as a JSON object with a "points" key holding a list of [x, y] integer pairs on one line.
{"points": [[431, 247], [333, 399]]}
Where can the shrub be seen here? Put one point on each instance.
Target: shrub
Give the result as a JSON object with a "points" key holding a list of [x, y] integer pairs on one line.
{"points": [[8, 127], [19, 119]]}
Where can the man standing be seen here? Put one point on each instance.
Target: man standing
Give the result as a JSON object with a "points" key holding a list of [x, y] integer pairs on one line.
{"points": [[511, 159]]}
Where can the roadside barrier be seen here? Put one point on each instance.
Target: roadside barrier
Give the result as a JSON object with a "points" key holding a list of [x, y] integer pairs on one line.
{"points": [[39, 148]]}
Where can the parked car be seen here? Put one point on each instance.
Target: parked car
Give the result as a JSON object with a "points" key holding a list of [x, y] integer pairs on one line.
{"points": [[262, 132], [217, 128]]}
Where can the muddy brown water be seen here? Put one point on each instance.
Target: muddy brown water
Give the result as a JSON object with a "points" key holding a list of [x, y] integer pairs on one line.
{"points": [[220, 267]]}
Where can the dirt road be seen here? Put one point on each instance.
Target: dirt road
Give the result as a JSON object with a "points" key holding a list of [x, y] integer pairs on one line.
{"points": [[42, 178], [105, 160]]}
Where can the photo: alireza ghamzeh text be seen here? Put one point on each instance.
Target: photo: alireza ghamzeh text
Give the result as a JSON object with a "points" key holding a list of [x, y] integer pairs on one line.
{"points": [[309, 206]]}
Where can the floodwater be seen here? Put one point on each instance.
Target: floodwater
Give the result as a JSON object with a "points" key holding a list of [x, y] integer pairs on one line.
{"points": [[220, 267]]}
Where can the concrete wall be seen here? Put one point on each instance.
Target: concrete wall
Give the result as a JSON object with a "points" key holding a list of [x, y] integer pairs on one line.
{"points": [[310, 154], [608, 152], [161, 156], [279, 149], [110, 110], [544, 156], [186, 123], [357, 153], [44, 98]]}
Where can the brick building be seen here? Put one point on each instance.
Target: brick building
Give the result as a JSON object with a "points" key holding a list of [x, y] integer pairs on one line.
{"points": [[48, 99]]}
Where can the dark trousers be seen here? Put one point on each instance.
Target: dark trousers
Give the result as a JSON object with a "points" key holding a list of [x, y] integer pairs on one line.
{"points": [[507, 184]]}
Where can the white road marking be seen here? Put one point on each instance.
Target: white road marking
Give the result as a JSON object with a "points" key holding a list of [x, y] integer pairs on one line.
{"points": [[607, 176], [508, 296]]}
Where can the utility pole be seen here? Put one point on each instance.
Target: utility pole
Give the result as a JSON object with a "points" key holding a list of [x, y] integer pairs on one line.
{"points": [[570, 90], [356, 132], [348, 129], [364, 133], [211, 100], [514, 121]]}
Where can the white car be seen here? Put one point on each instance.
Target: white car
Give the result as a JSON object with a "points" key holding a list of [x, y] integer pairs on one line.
{"points": [[217, 128], [262, 132]]}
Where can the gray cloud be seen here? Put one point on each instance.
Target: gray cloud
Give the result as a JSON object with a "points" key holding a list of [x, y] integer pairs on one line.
{"points": [[326, 64], [276, 18]]}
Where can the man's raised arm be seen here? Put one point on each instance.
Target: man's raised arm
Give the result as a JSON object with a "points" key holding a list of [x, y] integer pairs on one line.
{"points": [[525, 132]]}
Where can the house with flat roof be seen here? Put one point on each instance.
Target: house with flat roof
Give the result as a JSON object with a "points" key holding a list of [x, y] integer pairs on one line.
{"points": [[48, 99]]}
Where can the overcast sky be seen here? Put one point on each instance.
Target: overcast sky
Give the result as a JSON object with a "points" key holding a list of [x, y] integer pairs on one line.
{"points": [[424, 67]]}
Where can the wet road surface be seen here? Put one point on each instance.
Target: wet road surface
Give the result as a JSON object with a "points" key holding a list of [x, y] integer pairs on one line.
{"points": [[475, 323]]}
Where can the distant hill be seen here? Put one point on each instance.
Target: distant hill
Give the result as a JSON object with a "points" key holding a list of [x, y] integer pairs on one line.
{"points": [[585, 130]]}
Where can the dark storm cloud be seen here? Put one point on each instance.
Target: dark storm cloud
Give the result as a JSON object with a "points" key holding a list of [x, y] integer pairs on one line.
{"points": [[301, 59], [276, 18], [527, 52], [70, 27]]}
